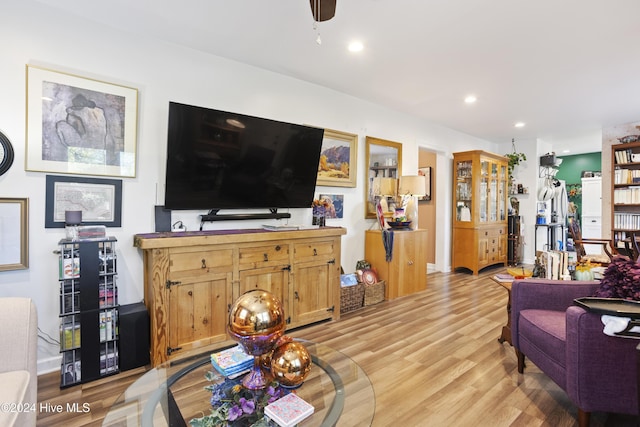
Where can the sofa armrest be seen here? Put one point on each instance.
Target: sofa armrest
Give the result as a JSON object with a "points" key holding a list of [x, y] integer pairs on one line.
{"points": [[19, 349], [602, 371], [544, 294]]}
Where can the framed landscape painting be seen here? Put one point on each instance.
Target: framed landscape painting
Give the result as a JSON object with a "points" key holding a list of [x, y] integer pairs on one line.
{"points": [[338, 160], [82, 126]]}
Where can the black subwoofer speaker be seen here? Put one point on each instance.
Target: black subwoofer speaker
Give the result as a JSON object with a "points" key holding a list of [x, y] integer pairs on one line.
{"points": [[134, 336]]}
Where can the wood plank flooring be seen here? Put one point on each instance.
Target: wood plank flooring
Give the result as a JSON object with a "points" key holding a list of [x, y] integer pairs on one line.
{"points": [[433, 359]]}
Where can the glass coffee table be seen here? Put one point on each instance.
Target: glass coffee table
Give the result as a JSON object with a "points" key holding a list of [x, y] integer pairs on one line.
{"points": [[173, 393]]}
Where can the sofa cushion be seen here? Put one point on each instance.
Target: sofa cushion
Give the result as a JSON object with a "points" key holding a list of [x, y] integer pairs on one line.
{"points": [[543, 336], [13, 391]]}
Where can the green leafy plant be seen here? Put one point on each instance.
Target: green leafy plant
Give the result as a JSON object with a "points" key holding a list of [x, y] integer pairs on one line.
{"points": [[515, 158]]}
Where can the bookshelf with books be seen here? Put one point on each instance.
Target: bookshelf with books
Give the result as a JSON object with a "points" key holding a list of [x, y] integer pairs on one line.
{"points": [[88, 310], [625, 191]]}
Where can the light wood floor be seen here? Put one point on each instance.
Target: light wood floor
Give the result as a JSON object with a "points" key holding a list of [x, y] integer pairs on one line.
{"points": [[433, 359]]}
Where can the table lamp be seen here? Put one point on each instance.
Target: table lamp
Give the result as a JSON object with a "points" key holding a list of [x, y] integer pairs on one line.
{"points": [[412, 186], [382, 189]]}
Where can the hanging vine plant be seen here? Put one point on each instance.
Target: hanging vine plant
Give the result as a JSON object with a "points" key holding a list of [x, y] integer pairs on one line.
{"points": [[515, 158]]}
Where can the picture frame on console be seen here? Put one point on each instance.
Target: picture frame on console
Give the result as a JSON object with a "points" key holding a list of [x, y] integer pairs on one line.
{"points": [[338, 159], [100, 200], [14, 233], [77, 125]]}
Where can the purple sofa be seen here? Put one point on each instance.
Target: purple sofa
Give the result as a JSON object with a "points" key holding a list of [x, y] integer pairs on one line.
{"points": [[598, 372]]}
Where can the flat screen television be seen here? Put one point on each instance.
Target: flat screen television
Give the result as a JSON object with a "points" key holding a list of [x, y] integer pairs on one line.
{"points": [[223, 160]]}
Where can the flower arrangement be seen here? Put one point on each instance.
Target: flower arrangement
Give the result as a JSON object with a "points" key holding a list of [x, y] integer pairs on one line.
{"points": [[320, 207], [320, 203], [233, 405], [621, 279]]}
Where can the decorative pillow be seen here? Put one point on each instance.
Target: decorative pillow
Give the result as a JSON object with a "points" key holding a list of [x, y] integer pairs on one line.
{"points": [[621, 279]]}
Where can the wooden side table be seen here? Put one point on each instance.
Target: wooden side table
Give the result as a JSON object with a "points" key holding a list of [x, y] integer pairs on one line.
{"points": [[506, 329]]}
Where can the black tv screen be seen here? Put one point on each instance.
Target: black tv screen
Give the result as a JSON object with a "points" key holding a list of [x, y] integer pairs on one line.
{"points": [[222, 160]]}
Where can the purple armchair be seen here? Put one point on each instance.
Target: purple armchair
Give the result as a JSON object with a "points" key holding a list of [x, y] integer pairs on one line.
{"points": [[598, 372]]}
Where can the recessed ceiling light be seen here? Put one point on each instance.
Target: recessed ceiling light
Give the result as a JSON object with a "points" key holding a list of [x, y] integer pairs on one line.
{"points": [[519, 124], [356, 46], [566, 151], [470, 99]]}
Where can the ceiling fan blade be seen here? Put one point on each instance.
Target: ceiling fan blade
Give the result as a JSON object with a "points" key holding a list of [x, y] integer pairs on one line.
{"points": [[327, 9]]}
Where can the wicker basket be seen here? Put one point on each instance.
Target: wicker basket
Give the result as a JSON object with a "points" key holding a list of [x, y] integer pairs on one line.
{"points": [[373, 294], [351, 297]]}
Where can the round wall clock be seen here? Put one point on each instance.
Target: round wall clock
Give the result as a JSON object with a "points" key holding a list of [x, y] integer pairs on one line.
{"points": [[6, 154]]}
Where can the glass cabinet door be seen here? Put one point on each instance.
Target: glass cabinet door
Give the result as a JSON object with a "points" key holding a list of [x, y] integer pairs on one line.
{"points": [[464, 190], [484, 185], [493, 193], [502, 193]]}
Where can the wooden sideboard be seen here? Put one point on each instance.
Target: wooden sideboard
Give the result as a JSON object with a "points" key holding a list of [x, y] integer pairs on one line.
{"points": [[192, 278], [406, 273]]}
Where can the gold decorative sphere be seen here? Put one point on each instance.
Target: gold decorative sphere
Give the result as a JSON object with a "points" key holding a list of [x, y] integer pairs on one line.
{"points": [[256, 321], [290, 364]]}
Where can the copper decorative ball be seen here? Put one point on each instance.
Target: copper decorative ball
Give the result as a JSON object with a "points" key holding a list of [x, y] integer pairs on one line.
{"points": [[290, 364], [256, 321]]}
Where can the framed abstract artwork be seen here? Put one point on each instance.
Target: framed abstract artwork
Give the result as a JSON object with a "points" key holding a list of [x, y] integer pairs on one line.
{"points": [[81, 126]]}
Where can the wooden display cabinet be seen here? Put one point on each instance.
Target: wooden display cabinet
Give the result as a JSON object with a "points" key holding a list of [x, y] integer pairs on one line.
{"points": [[406, 273], [192, 278], [479, 210]]}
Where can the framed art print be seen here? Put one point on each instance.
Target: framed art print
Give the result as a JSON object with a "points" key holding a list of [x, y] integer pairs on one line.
{"points": [[100, 200], [426, 172], [82, 126], [14, 234], [338, 160]]}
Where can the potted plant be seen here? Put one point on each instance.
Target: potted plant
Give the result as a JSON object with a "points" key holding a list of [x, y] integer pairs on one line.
{"points": [[514, 159]]}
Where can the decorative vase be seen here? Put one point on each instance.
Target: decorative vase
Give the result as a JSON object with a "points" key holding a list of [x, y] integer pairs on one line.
{"points": [[319, 216], [256, 321]]}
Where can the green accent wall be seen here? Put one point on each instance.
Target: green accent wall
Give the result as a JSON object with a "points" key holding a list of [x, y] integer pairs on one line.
{"points": [[570, 171]]}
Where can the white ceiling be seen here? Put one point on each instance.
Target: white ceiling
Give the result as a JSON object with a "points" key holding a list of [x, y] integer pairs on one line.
{"points": [[565, 68]]}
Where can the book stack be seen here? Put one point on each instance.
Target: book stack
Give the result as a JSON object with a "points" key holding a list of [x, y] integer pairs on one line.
{"points": [[232, 361], [288, 410], [624, 156]]}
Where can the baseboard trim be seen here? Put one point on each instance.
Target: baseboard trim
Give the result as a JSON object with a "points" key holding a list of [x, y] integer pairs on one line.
{"points": [[46, 366]]}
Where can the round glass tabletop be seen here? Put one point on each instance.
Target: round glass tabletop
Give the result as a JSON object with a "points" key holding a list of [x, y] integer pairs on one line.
{"points": [[174, 393]]}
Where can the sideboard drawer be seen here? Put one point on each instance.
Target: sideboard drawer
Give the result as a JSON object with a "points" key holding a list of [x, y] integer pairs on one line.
{"points": [[263, 256], [200, 261], [312, 250]]}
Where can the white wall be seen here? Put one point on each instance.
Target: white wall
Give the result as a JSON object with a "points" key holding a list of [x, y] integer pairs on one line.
{"points": [[36, 35]]}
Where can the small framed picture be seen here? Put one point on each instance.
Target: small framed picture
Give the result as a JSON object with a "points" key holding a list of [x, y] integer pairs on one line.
{"points": [[426, 172], [100, 200]]}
